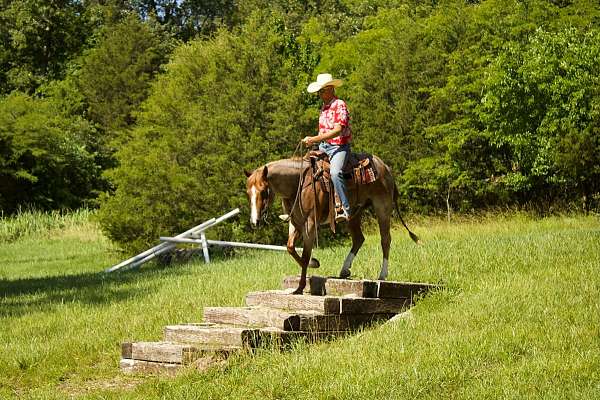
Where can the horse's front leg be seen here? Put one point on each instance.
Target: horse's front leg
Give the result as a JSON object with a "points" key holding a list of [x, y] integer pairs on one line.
{"points": [[293, 235], [308, 236]]}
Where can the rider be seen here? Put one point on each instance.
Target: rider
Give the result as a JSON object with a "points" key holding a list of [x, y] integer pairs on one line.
{"points": [[335, 136]]}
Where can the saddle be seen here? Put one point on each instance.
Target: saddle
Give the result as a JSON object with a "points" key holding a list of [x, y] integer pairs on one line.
{"points": [[359, 169]]}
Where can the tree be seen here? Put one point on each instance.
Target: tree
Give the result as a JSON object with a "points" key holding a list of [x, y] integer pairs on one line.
{"points": [[43, 159], [37, 39], [542, 106], [115, 75], [223, 105]]}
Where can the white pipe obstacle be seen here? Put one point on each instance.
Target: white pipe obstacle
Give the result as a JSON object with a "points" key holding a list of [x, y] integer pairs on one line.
{"points": [[149, 254], [191, 236], [223, 243]]}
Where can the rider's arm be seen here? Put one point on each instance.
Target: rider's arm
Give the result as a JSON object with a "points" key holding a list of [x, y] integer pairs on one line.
{"points": [[337, 129]]}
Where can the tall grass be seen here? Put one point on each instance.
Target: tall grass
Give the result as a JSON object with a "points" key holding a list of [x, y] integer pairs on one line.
{"points": [[34, 223]]}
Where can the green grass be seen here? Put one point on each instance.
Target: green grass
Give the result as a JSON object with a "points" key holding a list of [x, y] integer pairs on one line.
{"points": [[519, 318]]}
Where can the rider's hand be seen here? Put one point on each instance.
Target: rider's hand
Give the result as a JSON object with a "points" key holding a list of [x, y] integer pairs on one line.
{"points": [[307, 141]]}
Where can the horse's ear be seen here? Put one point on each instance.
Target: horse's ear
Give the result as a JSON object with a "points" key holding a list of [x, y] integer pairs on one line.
{"points": [[265, 173], [247, 173]]}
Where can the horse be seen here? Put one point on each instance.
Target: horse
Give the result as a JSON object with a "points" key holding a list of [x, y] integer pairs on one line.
{"points": [[306, 205]]}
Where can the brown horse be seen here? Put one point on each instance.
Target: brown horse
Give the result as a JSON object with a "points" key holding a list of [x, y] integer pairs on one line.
{"points": [[307, 205]]}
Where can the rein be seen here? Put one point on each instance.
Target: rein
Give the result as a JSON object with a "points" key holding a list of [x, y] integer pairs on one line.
{"points": [[301, 180], [298, 199]]}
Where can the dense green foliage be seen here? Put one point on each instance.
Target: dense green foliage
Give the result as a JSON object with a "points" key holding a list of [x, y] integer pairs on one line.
{"points": [[474, 104], [518, 318], [44, 160]]}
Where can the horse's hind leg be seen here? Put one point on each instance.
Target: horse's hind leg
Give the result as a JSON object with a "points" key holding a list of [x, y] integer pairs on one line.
{"points": [[384, 219], [357, 241]]}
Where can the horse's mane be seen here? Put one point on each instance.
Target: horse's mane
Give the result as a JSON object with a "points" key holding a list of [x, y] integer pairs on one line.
{"points": [[293, 162]]}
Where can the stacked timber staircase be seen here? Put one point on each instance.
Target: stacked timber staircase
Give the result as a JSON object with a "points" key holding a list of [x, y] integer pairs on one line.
{"points": [[329, 308]]}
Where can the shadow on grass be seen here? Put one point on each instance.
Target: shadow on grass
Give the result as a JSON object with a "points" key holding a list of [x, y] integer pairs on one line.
{"points": [[22, 296]]}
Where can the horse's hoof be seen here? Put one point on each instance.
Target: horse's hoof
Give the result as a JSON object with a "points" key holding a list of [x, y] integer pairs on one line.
{"points": [[298, 291], [314, 263], [344, 274]]}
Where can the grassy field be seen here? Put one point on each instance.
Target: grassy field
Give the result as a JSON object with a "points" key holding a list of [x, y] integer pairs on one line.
{"points": [[519, 318]]}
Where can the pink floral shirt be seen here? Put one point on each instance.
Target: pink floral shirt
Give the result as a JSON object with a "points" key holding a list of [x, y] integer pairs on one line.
{"points": [[333, 113]]}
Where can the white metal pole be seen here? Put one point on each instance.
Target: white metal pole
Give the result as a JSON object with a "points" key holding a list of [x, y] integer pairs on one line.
{"points": [[205, 248], [223, 243]]}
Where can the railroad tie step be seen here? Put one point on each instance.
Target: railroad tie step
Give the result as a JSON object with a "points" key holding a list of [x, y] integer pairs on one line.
{"points": [[327, 305], [131, 366], [318, 285], [166, 357], [302, 321], [166, 352], [210, 336]]}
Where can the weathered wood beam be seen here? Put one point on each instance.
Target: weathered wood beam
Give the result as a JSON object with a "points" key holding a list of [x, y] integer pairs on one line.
{"points": [[335, 287], [165, 352], [309, 321], [211, 337], [315, 285], [318, 285], [130, 366], [285, 301], [252, 317], [325, 304], [373, 306]]}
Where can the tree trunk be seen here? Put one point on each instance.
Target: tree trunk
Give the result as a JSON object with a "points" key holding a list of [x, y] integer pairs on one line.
{"points": [[448, 208]]}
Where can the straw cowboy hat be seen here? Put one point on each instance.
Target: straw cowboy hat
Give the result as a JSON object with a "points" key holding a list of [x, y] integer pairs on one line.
{"points": [[322, 81]]}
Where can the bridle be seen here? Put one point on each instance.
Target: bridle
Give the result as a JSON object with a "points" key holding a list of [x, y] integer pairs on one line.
{"points": [[264, 210]]}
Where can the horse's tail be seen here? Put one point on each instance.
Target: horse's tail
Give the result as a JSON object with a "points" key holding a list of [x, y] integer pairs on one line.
{"points": [[414, 237]]}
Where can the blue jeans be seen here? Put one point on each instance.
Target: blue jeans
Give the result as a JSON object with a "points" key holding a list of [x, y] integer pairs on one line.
{"points": [[337, 159]]}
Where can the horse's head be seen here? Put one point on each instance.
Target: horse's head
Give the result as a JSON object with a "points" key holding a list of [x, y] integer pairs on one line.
{"points": [[259, 194]]}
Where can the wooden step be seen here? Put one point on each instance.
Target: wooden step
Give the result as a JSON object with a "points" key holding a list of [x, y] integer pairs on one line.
{"points": [[309, 321], [165, 352], [252, 317], [130, 366], [294, 303], [315, 284], [321, 286], [328, 305], [361, 288], [212, 336]]}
